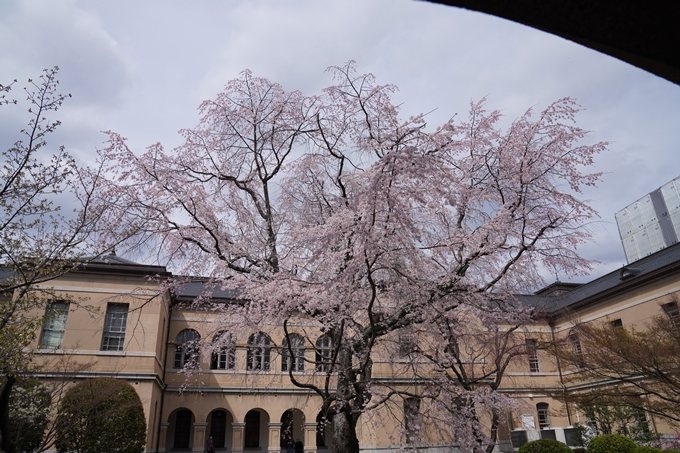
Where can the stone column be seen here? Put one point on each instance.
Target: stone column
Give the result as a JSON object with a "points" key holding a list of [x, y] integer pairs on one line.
{"points": [[163, 436], [237, 437], [310, 438], [199, 437], [274, 437]]}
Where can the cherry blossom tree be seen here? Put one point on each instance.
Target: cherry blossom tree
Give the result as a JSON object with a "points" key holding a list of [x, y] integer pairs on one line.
{"points": [[40, 241], [333, 208]]}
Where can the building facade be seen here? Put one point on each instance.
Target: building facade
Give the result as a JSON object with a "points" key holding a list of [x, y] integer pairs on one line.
{"points": [[114, 321]]}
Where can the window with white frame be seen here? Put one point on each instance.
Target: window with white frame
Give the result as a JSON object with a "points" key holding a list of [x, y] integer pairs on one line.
{"points": [[224, 352], [258, 355], [532, 355], [412, 426], [187, 346], [55, 325], [543, 416], [296, 361], [324, 353], [575, 342], [114, 327]]}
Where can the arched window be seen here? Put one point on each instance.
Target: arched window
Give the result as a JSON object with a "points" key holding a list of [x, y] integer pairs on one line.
{"points": [[187, 346], [259, 352], [296, 362], [224, 352], [324, 353], [543, 416]]}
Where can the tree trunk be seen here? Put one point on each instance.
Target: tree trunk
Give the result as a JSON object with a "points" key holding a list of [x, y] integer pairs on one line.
{"points": [[344, 433], [494, 431], [6, 445]]}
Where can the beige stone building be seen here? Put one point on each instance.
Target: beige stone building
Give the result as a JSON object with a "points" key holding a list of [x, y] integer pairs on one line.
{"points": [[118, 324]]}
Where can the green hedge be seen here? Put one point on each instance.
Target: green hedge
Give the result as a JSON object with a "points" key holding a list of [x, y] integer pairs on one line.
{"points": [[611, 443], [646, 449], [544, 446]]}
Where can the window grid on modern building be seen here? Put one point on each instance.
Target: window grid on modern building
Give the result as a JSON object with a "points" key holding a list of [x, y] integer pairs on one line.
{"points": [[532, 355], [55, 325], [114, 327]]}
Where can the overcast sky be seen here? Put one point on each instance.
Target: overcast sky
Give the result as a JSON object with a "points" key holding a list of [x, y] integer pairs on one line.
{"points": [[141, 68]]}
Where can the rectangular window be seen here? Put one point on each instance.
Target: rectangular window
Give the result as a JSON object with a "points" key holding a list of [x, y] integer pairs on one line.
{"points": [[532, 354], [617, 323], [576, 349], [114, 327], [412, 420], [672, 312], [407, 344], [55, 325], [543, 416]]}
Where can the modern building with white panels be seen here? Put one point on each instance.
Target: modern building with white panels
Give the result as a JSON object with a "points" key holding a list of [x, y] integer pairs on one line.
{"points": [[651, 223]]}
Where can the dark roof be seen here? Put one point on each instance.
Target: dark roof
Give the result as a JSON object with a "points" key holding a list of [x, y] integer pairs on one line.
{"points": [[118, 265], [195, 287], [110, 259], [656, 265]]}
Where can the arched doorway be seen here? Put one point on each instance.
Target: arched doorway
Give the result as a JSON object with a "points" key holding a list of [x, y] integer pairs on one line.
{"points": [[292, 426], [220, 428], [180, 433], [256, 432]]}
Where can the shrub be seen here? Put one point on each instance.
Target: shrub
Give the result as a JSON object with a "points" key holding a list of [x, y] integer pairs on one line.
{"points": [[611, 443], [544, 446], [646, 449], [102, 415], [579, 450]]}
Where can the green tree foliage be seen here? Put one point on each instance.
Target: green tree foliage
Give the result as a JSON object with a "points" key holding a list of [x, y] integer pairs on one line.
{"points": [[38, 240], [647, 449], [29, 408], [544, 446], [643, 360], [611, 443], [102, 415]]}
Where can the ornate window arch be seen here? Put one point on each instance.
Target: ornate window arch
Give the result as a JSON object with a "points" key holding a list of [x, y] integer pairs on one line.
{"points": [[187, 348], [296, 362], [324, 353], [258, 355], [223, 355]]}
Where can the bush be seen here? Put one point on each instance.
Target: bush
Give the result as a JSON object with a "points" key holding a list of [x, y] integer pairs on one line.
{"points": [[102, 415], [611, 443], [544, 446], [579, 450], [646, 449]]}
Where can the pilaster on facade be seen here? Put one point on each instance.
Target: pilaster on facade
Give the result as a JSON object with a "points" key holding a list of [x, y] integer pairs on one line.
{"points": [[310, 437], [199, 437], [274, 437], [163, 436], [237, 436]]}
